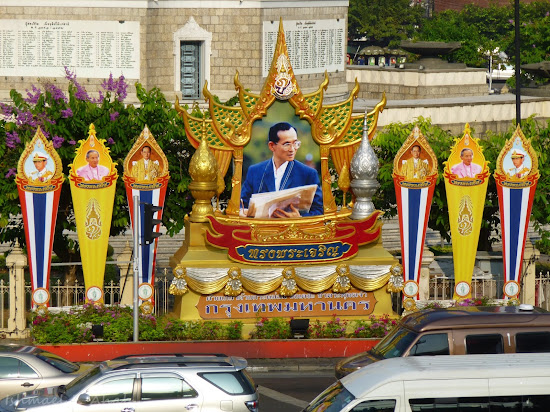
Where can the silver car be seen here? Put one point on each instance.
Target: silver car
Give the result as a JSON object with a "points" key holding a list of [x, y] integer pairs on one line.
{"points": [[27, 368], [147, 384]]}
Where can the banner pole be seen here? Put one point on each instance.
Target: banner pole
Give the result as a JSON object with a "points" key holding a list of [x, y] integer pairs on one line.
{"points": [[136, 232]]}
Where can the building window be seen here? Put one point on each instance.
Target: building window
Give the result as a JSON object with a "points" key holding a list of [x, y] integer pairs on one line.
{"points": [[192, 48], [190, 69]]}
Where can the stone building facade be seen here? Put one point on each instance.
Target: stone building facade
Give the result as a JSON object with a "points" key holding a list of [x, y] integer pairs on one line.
{"points": [[225, 36]]}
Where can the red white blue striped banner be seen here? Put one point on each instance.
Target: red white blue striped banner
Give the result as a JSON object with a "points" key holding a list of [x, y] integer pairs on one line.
{"points": [[414, 201], [515, 202], [153, 193], [39, 210]]}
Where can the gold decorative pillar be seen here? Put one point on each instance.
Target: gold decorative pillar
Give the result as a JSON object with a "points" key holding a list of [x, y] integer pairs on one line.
{"points": [[203, 170]]}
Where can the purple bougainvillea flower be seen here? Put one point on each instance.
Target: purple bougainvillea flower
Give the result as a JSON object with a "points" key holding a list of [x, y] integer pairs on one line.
{"points": [[113, 116], [57, 141], [56, 93], [34, 95], [71, 142], [10, 173], [6, 109], [12, 139], [25, 118], [110, 140], [67, 113]]}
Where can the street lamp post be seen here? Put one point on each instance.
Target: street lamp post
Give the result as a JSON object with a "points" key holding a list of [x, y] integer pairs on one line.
{"points": [[518, 62]]}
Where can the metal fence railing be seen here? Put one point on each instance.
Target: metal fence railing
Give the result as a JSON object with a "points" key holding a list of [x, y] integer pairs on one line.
{"points": [[63, 294]]}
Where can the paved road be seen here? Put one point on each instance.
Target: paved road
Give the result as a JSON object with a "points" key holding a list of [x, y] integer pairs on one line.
{"points": [[292, 391]]}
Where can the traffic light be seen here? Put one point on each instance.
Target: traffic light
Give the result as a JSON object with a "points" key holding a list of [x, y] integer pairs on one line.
{"points": [[149, 224]]}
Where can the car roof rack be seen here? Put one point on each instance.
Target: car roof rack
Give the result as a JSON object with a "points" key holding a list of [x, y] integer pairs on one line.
{"points": [[169, 355], [194, 360]]}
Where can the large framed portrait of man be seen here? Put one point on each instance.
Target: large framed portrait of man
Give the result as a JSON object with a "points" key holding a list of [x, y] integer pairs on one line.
{"points": [[281, 167]]}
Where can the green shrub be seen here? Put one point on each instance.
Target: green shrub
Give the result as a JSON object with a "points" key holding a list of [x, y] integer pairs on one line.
{"points": [[374, 327], [335, 328], [275, 328], [118, 326]]}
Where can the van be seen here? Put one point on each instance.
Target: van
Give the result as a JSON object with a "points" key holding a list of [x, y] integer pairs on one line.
{"points": [[460, 331], [512, 382]]}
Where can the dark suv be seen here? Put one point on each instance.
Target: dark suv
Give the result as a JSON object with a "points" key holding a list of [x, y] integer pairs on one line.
{"points": [[156, 383], [460, 331]]}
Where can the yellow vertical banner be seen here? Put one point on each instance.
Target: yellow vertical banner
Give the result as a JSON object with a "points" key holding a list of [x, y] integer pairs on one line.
{"points": [[466, 177], [93, 178]]}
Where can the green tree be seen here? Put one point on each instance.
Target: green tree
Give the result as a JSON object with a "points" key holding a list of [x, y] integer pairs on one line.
{"points": [[383, 22], [65, 118], [480, 29], [476, 27]]}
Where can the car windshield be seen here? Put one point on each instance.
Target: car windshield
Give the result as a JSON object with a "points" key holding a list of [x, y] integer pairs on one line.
{"points": [[58, 362], [76, 385], [395, 343], [333, 399]]}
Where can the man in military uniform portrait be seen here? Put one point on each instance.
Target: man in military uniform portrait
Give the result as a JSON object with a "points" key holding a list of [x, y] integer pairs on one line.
{"points": [[145, 169], [519, 170], [41, 174]]}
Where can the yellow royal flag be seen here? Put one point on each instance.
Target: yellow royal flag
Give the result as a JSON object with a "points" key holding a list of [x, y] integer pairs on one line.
{"points": [[93, 183], [466, 177]]}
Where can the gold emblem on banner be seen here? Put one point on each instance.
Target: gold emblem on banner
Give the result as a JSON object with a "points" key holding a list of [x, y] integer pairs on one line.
{"points": [[93, 219], [465, 217]]}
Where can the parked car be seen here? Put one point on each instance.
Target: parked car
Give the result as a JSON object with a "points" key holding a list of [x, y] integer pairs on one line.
{"points": [[26, 368], [459, 331], [159, 383], [513, 382], [503, 73]]}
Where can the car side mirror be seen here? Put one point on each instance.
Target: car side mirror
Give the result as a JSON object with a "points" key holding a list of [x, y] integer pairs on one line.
{"points": [[84, 399]]}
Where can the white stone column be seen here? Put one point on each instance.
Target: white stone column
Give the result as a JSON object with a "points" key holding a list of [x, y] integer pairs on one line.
{"points": [[424, 280], [17, 262], [530, 256], [126, 276]]}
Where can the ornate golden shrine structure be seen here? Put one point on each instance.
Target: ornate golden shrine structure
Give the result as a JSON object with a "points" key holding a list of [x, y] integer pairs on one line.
{"points": [[235, 267]]}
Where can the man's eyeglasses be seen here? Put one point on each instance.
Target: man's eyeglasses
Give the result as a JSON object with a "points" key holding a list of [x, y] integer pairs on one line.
{"points": [[296, 144]]}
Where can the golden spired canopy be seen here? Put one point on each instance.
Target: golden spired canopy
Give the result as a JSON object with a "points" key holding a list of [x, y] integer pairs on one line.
{"points": [[204, 266]]}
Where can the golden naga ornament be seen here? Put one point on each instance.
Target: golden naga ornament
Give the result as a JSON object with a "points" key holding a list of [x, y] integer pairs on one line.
{"points": [[288, 284], [178, 286], [234, 285], [396, 281], [146, 307]]}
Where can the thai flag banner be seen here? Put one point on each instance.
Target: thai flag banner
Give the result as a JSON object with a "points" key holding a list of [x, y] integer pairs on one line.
{"points": [[414, 177], [413, 204], [516, 177], [146, 176], [154, 196], [39, 181]]}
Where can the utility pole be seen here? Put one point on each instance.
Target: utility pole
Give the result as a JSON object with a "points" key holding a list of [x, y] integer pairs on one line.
{"points": [[518, 62]]}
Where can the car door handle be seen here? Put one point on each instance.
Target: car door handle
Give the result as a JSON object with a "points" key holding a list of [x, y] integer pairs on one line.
{"points": [[128, 410], [191, 406], [27, 384]]}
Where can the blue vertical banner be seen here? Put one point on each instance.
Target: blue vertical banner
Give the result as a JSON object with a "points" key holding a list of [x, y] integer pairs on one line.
{"points": [[39, 179], [146, 176], [516, 176], [414, 177]]}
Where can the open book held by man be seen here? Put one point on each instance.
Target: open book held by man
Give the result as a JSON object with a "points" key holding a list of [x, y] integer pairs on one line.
{"points": [[263, 205]]}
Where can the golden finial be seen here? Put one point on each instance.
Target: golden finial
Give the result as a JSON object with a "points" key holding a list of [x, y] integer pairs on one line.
{"points": [[203, 170], [344, 182]]}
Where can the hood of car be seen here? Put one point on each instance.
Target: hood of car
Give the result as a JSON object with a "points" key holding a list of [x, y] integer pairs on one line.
{"points": [[353, 363]]}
